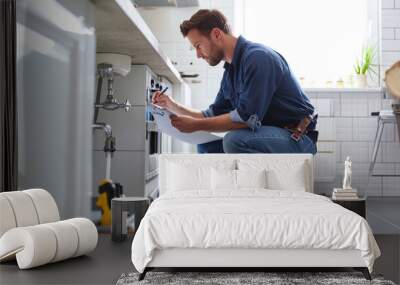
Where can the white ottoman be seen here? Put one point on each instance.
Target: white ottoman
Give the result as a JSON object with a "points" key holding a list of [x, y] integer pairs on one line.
{"points": [[31, 233]]}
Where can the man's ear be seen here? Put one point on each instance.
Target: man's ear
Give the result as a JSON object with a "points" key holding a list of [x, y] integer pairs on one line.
{"points": [[216, 34]]}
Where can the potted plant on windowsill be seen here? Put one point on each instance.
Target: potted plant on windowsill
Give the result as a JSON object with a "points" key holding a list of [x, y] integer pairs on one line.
{"points": [[364, 65]]}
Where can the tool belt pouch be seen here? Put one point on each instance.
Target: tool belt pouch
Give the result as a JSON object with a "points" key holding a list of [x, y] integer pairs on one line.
{"points": [[300, 129]]}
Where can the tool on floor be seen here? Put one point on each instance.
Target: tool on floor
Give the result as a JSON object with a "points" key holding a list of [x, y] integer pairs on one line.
{"points": [[107, 190]]}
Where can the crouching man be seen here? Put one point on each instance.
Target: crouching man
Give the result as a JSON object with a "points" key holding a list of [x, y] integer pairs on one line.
{"points": [[260, 103]]}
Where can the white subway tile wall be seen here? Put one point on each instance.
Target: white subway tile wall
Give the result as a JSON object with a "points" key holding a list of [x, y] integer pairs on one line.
{"points": [[387, 4], [391, 45], [397, 33], [390, 33], [346, 127], [354, 130], [390, 18]]}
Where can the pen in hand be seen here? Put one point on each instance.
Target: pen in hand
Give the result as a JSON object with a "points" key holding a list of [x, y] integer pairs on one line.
{"points": [[165, 89], [162, 92], [155, 100]]}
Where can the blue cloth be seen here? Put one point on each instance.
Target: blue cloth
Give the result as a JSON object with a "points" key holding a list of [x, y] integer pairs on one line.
{"points": [[259, 89], [267, 139]]}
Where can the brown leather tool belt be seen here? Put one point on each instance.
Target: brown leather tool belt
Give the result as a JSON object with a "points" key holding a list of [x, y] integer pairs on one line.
{"points": [[301, 129]]}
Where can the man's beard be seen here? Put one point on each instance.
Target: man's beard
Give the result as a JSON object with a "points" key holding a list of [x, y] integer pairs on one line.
{"points": [[215, 57]]}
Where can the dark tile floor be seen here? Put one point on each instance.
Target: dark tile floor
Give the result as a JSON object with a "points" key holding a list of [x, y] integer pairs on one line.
{"points": [[110, 260], [102, 266], [383, 215]]}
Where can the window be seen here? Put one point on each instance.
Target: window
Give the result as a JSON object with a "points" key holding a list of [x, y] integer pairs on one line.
{"points": [[320, 39]]}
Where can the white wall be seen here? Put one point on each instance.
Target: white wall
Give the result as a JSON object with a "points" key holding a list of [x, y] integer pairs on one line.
{"points": [[346, 127]]}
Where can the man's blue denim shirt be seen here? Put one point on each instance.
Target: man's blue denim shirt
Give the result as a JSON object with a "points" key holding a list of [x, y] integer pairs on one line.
{"points": [[258, 88]]}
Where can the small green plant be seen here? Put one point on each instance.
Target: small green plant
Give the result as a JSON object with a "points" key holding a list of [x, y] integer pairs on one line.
{"points": [[364, 65]]}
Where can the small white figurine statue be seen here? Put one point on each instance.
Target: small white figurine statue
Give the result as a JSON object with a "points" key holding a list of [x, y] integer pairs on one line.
{"points": [[347, 174]]}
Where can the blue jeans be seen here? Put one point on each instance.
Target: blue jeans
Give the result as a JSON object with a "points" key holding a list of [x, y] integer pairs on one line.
{"points": [[267, 139]]}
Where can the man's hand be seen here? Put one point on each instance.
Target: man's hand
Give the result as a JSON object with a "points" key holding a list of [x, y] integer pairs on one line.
{"points": [[173, 106], [162, 100], [185, 124]]}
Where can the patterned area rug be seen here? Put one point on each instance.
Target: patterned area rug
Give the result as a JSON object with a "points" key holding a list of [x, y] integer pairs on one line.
{"points": [[243, 278]]}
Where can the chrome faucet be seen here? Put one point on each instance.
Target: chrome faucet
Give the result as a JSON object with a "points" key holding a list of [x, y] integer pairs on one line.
{"points": [[105, 70]]}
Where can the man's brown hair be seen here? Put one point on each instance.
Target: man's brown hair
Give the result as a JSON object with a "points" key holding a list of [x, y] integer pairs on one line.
{"points": [[204, 21]]}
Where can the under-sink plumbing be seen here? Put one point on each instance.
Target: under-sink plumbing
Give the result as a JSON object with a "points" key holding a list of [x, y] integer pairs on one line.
{"points": [[109, 145], [109, 66], [105, 70]]}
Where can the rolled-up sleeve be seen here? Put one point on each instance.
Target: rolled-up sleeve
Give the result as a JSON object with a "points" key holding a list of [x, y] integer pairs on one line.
{"points": [[253, 122], [261, 78], [221, 105], [208, 112]]}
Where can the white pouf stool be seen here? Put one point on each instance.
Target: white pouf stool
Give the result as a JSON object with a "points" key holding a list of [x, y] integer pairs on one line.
{"points": [[31, 233]]}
